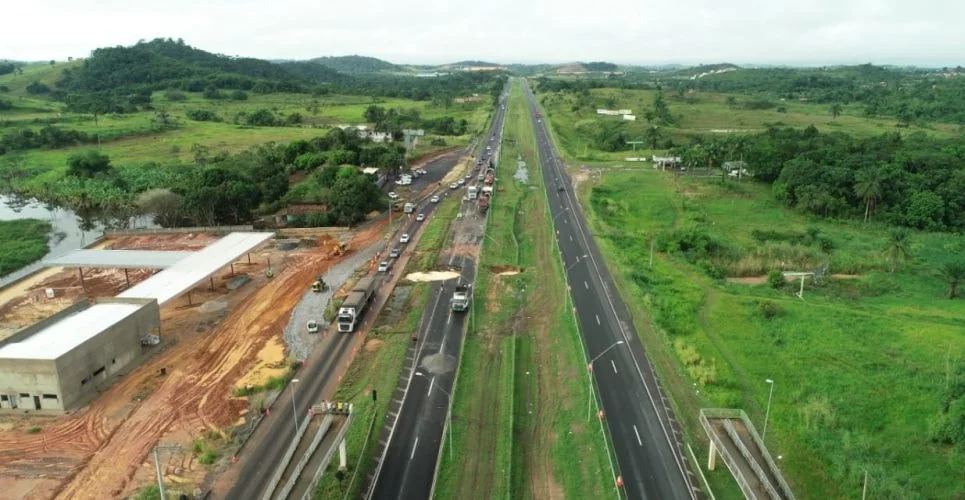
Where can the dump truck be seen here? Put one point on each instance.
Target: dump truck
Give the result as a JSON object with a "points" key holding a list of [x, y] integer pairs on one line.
{"points": [[319, 285], [488, 180], [355, 304], [473, 192], [461, 297], [483, 203]]}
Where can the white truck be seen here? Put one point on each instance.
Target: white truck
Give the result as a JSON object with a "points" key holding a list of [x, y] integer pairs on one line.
{"points": [[473, 192], [461, 297], [355, 303], [409, 208]]}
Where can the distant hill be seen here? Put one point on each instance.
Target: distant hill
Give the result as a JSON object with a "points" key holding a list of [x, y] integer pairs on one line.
{"points": [[356, 64], [473, 63], [600, 66], [165, 63], [707, 69]]}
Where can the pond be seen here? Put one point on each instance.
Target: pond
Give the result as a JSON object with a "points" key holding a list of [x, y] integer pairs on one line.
{"points": [[70, 230]]}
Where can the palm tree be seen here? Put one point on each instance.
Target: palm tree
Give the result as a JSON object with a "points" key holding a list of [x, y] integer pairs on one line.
{"points": [[896, 248], [836, 110], [953, 273], [868, 187]]}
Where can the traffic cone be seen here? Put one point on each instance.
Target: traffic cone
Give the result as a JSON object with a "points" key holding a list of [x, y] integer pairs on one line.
{"points": [[267, 411], [234, 459], [619, 481]]}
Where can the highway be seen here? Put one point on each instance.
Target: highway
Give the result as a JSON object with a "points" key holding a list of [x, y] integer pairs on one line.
{"points": [[408, 464], [647, 446], [270, 440]]}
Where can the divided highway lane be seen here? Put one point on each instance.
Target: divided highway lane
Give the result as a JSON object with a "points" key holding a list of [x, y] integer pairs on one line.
{"points": [[407, 469], [276, 432], [649, 456]]}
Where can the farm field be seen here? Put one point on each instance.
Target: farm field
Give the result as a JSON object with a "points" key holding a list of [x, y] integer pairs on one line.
{"points": [[701, 113], [861, 365], [518, 419]]}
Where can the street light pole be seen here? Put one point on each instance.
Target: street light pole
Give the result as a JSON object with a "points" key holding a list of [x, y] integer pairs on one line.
{"points": [[589, 376], [294, 410], [768, 412]]}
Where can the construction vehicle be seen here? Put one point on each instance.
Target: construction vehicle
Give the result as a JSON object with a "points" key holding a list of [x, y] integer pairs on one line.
{"points": [[484, 203], [319, 285], [355, 303], [488, 180], [473, 192], [461, 297]]}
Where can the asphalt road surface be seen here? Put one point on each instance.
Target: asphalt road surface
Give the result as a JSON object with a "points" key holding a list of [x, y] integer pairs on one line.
{"points": [[408, 466], [648, 450], [276, 432]]}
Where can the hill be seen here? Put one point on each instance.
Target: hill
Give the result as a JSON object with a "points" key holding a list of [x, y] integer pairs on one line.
{"points": [[472, 63], [356, 64]]}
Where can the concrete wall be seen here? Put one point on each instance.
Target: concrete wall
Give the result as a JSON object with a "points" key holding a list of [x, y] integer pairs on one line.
{"points": [[30, 377], [88, 367]]}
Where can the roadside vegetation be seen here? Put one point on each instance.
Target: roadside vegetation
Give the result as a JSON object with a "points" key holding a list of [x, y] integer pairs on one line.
{"points": [[21, 242], [519, 428], [866, 368]]}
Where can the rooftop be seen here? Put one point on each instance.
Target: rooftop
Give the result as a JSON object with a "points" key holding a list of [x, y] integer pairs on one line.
{"points": [[194, 268], [123, 259], [68, 333]]}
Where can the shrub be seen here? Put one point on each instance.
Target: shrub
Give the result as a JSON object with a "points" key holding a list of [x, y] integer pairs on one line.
{"points": [[208, 457], [770, 309], [33, 430], [203, 115], [775, 279], [175, 95], [437, 141], [238, 95]]}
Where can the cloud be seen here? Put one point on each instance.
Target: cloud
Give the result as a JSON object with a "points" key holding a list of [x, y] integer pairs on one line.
{"points": [[627, 31]]}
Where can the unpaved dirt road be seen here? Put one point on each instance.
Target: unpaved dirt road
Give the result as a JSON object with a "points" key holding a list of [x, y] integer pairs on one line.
{"points": [[96, 452]]}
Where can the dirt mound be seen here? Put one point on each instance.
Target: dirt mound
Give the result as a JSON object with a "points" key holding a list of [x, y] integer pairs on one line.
{"points": [[505, 270]]}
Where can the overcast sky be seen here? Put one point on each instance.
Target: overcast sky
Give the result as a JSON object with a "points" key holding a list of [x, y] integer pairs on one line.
{"points": [[923, 32]]}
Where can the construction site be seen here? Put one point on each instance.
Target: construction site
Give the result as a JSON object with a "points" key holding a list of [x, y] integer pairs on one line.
{"points": [[188, 379]]}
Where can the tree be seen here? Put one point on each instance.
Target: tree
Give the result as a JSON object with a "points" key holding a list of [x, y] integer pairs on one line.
{"points": [[867, 186], [897, 247], [88, 164], [835, 110], [164, 205], [652, 136], [954, 274], [731, 101]]}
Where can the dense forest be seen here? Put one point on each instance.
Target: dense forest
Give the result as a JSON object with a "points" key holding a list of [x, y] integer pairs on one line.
{"points": [[355, 64], [121, 79], [911, 180]]}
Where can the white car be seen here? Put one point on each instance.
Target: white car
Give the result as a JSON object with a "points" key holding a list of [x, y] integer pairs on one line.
{"points": [[383, 266], [454, 186], [423, 171], [312, 326], [434, 199], [404, 238], [393, 195], [420, 217], [460, 182]]}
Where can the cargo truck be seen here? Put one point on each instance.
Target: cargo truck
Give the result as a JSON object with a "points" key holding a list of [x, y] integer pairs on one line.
{"points": [[355, 304], [473, 192], [484, 203], [409, 208], [461, 297]]}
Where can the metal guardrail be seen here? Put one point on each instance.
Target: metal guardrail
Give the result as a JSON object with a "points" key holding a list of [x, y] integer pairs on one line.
{"points": [[317, 476], [276, 477], [758, 471], [300, 466], [729, 461]]}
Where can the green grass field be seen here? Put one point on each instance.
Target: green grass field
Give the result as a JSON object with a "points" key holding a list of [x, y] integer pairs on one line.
{"points": [[702, 113], [519, 420], [22, 242], [860, 365]]}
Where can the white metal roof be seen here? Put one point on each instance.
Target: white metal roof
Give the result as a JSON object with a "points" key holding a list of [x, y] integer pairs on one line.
{"points": [[68, 333], [194, 268], [130, 259]]}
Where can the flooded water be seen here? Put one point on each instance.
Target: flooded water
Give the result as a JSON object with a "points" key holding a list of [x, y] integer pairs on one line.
{"points": [[70, 231]]}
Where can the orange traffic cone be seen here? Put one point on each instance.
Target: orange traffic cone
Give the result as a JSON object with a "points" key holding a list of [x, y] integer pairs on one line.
{"points": [[619, 481]]}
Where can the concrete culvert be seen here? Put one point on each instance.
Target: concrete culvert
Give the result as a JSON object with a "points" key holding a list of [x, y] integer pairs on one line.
{"points": [[505, 270]]}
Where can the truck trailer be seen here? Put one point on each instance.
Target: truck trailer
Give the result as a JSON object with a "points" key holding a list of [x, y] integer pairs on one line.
{"points": [[355, 304], [461, 297]]}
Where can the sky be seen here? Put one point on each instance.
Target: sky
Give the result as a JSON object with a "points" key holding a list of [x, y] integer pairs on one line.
{"points": [[813, 32]]}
